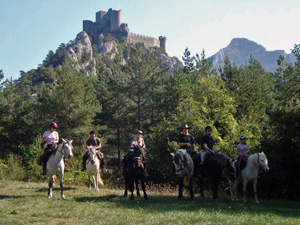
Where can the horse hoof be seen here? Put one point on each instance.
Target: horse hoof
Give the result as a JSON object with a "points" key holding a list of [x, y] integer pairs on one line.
{"points": [[257, 202], [131, 197], [63, 197], [179, 199], [49, 196]]}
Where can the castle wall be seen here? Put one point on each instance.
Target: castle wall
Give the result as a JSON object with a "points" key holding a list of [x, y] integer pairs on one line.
{"points": [[115, 19], [100, 15], [148, 41], [88, 26], [163, 42]]}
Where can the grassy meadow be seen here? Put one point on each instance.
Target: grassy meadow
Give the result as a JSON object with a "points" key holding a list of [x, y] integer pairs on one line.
{"points": [[26, 203]]}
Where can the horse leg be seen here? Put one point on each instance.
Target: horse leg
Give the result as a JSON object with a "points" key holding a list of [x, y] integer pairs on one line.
{"points": [[245, 181], [215, 184], [191, 189], [131, 188], [144, 188], [255, 190], [180, 189], [62, 187], [90, 181], [137, 188], [94, 182], [201, 187], [126, 186], [235, 189], [230, 182], [51, 181], [97, 174]]}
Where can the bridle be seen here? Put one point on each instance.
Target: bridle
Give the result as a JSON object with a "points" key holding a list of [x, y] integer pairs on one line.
{"points": [[63, 147], [260, 166]]}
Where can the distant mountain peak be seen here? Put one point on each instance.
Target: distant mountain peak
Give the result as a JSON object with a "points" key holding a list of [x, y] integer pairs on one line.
{"points": [[240, 49]]}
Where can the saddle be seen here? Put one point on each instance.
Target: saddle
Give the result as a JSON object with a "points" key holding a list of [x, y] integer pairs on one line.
{"points": [[240, 166]]}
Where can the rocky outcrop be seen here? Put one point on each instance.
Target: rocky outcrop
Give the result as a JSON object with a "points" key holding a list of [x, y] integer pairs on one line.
{"points": [[81, 52]]}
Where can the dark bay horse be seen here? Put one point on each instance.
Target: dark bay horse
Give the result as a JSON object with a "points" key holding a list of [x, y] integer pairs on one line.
{"points": [[134, 172], [213, 167]]}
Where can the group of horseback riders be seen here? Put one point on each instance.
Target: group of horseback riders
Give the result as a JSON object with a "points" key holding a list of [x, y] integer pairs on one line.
{"points": [[185, 141]]}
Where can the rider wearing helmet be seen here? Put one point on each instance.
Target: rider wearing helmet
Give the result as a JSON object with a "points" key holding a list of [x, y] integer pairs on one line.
{"points": [[94, 141], [242, 151], [137, 141], [51, 138]]}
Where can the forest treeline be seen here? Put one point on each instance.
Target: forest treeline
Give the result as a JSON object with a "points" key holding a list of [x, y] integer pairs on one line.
{"points": [[143, 94]]}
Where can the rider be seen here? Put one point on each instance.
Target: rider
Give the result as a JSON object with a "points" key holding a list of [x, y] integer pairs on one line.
{"points": [[187, 141], [93, 141], [207, 144], [242, 151], [51, 138], [138, 141]]}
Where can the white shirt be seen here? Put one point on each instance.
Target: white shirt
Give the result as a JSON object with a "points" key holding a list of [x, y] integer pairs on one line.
{"points": [[51, 137], [139, 142]]}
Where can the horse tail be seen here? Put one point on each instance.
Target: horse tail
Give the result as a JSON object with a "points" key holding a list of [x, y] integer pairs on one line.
{"points": [[100, 181]]}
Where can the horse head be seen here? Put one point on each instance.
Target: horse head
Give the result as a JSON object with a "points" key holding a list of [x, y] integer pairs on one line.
{"points": [[179, 162], [67, 148], [263, 161], [137, 158], [92, 154]]}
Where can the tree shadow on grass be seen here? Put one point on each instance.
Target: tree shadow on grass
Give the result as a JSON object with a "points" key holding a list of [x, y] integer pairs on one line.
{"points": [[11, 196], [168, 203], [55, 189]]}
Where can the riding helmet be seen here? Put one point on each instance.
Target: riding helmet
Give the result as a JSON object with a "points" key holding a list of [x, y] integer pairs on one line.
{"points": [[139, 132], [53, 124], [242, 137], [185, 126]]}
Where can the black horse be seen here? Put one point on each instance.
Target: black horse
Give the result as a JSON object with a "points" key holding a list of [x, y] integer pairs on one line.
{"points": [[133, 172], [213, 167]]}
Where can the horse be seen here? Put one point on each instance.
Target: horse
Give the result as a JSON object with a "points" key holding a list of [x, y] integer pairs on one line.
{"points": [[213, 167], [92, 168], [133, 172], [184, 170], [255, 163], [56, 166]]}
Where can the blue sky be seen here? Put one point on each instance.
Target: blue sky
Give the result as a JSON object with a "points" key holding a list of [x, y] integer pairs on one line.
{"points": [[31, 28]]}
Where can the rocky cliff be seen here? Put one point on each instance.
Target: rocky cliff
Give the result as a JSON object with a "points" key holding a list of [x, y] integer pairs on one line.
{"points": [[240, 49], [82, 53]]}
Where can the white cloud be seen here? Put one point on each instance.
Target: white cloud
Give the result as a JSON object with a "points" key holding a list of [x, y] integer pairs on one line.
{"points": [[273, 30]]}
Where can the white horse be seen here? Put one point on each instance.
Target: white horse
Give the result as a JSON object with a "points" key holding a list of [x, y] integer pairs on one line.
{"points": [[255, 163], [56, 165], [92, 168]]}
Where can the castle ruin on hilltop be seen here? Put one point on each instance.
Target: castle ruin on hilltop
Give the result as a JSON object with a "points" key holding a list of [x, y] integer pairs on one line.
{"points": [[110, 22]]}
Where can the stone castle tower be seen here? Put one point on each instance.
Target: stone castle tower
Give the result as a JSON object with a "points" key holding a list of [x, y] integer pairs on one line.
{"points": [[111, 22]]}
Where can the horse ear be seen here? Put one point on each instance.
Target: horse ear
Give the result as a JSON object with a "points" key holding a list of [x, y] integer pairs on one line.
{"points": [[172, 154], [71, 141], [63, 140]]}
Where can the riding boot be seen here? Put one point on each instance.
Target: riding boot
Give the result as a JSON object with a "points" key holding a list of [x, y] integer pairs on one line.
{"points": [[85, 157], [44, 165], [122, 165]]}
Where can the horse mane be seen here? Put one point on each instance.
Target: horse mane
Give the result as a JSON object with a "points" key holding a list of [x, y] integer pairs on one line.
{"points": [[176, 158]]}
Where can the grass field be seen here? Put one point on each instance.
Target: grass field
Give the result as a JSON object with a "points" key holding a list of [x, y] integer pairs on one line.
{"points": [[26, 203]]}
